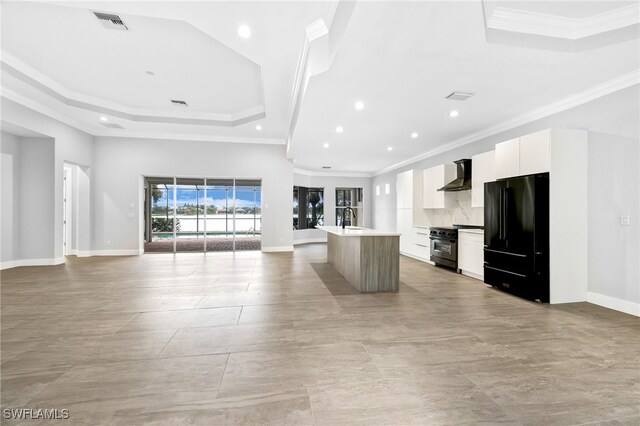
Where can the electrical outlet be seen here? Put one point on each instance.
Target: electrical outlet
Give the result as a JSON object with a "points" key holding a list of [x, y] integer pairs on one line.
{"points": [[625, 220], [107, 243]]}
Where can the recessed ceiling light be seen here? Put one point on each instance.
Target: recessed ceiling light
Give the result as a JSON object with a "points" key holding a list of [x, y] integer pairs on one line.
{"points": [[414, 135], [258, 127], [326, 145], [150, 73], [339, 129], [359, 105], [244, 31], [390, 148], [454, 113], [103, 118]]}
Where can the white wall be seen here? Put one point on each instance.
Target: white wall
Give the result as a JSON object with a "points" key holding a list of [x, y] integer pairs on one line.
{"points": [[9, 194], [330, 183], [120, 164], [36, 200], [614, 249], [70, 145]]}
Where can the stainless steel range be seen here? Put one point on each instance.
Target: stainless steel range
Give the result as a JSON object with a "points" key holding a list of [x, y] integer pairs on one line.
{"points": [[444, 246]]}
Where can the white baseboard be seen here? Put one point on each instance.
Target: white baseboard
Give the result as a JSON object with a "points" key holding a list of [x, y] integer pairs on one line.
{"points": [[31, 262], [115, 252], [310, 240], [616, 304], [72, 252], [84, 254], [472, 275], [277, 249]]}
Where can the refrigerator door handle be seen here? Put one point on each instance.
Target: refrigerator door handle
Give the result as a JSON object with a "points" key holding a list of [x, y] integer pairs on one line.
{"points": [[500, 215], [506, 213]]}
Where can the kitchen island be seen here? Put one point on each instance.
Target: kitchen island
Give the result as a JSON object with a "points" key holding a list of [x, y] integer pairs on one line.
{"points": [[367, 258]]}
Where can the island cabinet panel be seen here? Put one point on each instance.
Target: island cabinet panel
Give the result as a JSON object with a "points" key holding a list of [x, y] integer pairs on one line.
{"points": [[379, 265], [370, 261]]}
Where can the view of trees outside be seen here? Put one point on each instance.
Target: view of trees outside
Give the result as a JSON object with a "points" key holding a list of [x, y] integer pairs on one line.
{"points": [[308, 204], [349, 197], [190, 210]]}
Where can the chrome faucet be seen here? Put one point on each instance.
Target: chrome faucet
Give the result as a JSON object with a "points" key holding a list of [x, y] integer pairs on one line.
{"points": [[344, 215]]}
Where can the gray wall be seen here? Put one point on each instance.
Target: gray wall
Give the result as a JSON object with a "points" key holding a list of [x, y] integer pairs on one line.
{"points": [[330, 183], [27, 195], [9, 194], [614, 190], [120, 164], [37, 199]]}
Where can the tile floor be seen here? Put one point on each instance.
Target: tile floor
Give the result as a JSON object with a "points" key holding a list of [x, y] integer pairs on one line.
{"points": [[281, 338]]}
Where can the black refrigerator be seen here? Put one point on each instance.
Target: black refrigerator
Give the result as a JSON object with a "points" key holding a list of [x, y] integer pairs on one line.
{"points": [[516, 236]]}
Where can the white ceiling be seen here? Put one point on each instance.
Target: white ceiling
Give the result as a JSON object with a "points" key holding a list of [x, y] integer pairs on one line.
{"points": [[400, 58]]}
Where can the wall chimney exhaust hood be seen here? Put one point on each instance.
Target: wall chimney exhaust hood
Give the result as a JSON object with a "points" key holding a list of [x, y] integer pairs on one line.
{"points": [[463, 180]]}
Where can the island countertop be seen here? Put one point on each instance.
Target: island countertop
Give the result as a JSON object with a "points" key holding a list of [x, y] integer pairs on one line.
{"points": [[356, 231]]}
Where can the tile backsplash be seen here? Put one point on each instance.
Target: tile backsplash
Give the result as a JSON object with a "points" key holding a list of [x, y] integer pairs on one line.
{"points": [[460, 212]]}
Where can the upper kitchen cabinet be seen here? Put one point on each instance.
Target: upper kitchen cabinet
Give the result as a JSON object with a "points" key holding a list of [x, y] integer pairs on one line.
{"points": [[507, 158], [534, 153], [404, 190], [522, 156], [433, 179], [483, 170]]}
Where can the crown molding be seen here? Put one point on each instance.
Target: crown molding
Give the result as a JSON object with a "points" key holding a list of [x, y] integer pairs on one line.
{"points": [[128, 134], [521, 21], [619, 83], [124, 133], [332, 174], [18, 69], [44, 110]]}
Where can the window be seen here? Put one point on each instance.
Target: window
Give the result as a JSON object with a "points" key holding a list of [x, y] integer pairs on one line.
{"points": [[308, 207], [349, 197]]}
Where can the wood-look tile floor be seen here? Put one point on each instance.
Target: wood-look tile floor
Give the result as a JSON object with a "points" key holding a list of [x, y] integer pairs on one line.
{"points": [[256, 338]]}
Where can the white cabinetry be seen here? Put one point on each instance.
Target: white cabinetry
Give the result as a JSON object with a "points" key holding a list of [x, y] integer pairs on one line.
{"points": [[404, 212], [404, 190], [525, 155], [534, 153], [405, 229], [508, 158], [433, 179], [471, 252], [421, 249], [483, 169]]}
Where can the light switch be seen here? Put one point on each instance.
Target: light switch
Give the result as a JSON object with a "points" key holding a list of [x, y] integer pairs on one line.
{"points": [[387, 189], [625, 220]]}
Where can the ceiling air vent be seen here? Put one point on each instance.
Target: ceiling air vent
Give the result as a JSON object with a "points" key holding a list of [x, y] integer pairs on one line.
{"points": [[112, 126], [110, 21], [326, 167], [178, 102], [459, 96]]}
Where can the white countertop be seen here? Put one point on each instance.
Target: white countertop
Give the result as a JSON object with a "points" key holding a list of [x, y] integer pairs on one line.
{"points": [[354, 231], [472, 231]]}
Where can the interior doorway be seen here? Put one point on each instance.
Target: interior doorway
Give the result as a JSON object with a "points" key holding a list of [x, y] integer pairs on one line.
{"points": [[202, 214], [68, 246]]}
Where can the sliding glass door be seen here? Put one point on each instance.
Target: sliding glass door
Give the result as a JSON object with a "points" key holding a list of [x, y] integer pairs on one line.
{"points": [[202, 214], [248, 211]]}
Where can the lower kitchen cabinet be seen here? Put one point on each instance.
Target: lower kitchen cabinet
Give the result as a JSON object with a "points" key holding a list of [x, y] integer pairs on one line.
{"points": [[471, 252]]}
